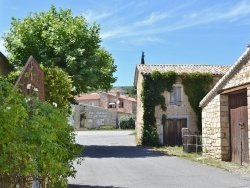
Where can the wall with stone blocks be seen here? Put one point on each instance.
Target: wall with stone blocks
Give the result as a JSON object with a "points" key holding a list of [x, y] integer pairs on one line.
{"points": [[215, 114]]}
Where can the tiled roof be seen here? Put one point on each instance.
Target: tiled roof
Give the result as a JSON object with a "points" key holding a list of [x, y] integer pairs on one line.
{"points": [[214, 69], [92, 96], [218, 86], [96, 96], [125, 97]]}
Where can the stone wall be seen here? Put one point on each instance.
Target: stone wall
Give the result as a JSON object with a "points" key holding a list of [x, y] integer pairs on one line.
{"points": [[215, 128], [95, 117], [215, 114], [139, 110], [90, 102]]}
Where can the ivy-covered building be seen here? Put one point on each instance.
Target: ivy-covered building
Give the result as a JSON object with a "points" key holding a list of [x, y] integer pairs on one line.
{"points": [[168, 99]]}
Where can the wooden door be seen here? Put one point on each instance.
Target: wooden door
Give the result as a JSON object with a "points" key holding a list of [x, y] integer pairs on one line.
{"points": [[172, 131], [239, 137]]}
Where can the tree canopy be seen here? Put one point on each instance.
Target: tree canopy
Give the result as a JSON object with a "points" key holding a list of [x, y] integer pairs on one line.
{"points": [[58, 39]]}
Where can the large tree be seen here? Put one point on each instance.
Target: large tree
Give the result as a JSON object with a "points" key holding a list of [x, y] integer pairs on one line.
{"points": [[58, 39]]}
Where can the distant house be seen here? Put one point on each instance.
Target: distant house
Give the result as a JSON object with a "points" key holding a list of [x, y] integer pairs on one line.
{"points": [[179, 112], [5, 67], [99, 109], [226, 114]]}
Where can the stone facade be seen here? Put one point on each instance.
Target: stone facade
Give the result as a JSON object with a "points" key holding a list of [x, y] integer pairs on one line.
{"points": [[215, 128], [92, 117], [215, 109], [102, 109], [184, 110]]}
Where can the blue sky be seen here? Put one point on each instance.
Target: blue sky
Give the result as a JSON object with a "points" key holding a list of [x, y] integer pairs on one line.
{"points": [[168, 31]]}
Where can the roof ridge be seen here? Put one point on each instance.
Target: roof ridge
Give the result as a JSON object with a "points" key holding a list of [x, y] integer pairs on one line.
{"points": [[218, 85]]}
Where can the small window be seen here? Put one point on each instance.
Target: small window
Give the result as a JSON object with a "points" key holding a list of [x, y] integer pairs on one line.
{"points": [[100, 121], [175, 96]]}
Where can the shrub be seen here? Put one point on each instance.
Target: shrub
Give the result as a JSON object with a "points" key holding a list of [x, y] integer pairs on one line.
{"points": [[127, 122], [36, 141]]}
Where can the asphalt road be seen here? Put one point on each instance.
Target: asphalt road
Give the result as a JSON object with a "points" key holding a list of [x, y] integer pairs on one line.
{"points": [[111, 160]]}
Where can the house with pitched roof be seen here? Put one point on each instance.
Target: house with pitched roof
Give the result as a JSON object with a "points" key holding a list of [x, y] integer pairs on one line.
{"points": [[5, 67], [179, 113], [103, 108], [226, 114]]}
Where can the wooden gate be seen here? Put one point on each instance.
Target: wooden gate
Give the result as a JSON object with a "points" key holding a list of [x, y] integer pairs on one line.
{"points": [[238, 115], [172, 131]]}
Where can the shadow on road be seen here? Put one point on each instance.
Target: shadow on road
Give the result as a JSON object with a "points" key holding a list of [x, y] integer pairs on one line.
{"points": [[119, 152], [89, 186]]}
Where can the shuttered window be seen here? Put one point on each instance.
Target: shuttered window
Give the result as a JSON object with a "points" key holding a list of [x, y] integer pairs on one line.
{"points": [[175, 96]]}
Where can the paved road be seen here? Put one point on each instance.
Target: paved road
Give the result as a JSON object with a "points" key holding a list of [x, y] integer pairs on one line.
{"points": [[111, 160]]}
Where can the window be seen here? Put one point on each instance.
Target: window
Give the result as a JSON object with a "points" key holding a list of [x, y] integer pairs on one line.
{"points": [[100, 121], [175, 96]]}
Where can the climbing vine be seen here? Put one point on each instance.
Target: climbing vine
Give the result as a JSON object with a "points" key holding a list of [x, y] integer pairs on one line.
{"points": [[153, 85], [196, 85]]}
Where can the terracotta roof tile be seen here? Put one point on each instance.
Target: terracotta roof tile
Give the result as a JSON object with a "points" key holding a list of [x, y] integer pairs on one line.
{"points": [[92, 96], [96, 96], [214, 69]]}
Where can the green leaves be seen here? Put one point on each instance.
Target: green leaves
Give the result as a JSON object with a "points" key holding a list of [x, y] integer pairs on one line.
{"points": [[56, 38], [35, 141], [58, 87], [196, 85], [153, 86]]}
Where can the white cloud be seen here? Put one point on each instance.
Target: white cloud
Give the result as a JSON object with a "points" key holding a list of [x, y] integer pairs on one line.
{"points": [[95, 17], [144, 40], [153, 18], [118, 24]]}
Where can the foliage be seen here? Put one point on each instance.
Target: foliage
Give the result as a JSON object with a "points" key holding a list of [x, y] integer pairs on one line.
{"points": [[58, 86], [142, 58], [57, 38], [127, 122], [153, 86], [196, 85], [36, 141]]}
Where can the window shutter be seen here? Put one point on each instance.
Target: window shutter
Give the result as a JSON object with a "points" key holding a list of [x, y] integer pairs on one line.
{"points": [[175, 96], [172, 97], [178, 95]]}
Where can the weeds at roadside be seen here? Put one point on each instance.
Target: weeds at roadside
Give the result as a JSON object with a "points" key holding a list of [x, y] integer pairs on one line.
{"points": [[198, 157]]}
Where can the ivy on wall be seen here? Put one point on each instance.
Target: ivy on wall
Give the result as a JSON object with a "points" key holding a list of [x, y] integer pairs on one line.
{"points": [[196, 86], [153, 85]]}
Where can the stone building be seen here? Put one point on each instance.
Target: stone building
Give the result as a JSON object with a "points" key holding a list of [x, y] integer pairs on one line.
{"points": [[100, 109], [179, 111], [5, 67], [225, 114]]}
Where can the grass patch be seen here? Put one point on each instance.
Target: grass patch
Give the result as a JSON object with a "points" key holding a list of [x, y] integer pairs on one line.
{"points": [[106, 128], [198, 157]]}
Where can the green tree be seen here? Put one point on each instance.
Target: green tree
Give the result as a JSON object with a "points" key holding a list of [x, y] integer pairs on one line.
{"points": [[57, 38], [58, 87]]}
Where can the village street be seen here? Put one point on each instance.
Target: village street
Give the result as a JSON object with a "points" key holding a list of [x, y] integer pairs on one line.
{"points": [[111, 160]]}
